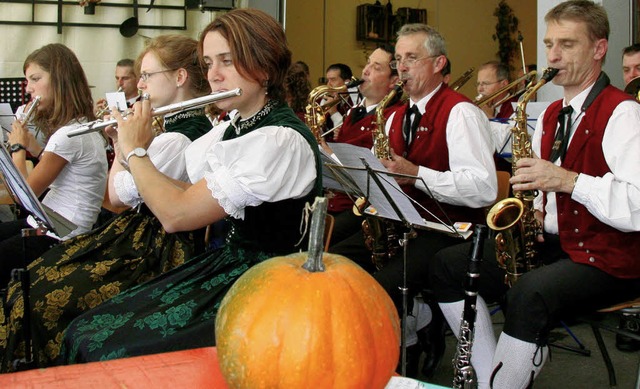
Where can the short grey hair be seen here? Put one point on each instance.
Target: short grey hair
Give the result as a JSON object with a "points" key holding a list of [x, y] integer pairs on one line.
{"points": [[434, 42]]}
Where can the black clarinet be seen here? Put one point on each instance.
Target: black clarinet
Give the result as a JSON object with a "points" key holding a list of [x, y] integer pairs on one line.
{"points": [[463, 374]]}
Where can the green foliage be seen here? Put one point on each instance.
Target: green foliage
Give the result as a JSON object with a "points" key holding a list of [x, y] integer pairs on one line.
{"points": [[506, 31]]}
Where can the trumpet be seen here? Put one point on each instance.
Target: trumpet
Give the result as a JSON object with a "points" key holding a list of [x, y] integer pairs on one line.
{"points": [[98, 125], [315, 110], [103, 111], [481, 100], [466, 76]]}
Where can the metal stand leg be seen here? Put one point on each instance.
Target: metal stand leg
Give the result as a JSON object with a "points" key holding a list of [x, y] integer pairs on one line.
{"points": [[605, 356], [405, 304]]}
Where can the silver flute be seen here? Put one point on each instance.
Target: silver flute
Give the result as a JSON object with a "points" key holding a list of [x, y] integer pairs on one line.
{"points": [[99, 125]]}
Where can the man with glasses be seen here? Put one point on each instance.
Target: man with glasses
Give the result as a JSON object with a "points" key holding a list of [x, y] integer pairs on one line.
{"points": [[586, 171], [493, 76], [443, 138]]}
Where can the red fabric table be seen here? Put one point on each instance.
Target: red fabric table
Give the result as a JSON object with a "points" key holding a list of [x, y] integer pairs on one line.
{"points": [[196, 368]]}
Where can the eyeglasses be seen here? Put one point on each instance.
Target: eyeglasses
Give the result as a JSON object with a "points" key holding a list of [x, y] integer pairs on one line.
{"points": [[484, 83], [145, 76], [408, 62]]}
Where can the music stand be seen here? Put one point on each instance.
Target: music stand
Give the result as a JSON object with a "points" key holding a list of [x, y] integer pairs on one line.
{"points": [[46, 223], [359, 168]]}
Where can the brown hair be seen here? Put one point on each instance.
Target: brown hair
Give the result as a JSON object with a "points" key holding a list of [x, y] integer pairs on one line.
{"points": [[297, 87], [258, 46], [71, 95], [179, 52], [591, 14]]}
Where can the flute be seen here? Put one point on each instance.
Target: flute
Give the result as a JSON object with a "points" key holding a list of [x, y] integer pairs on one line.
{"points": [[98, 125]]}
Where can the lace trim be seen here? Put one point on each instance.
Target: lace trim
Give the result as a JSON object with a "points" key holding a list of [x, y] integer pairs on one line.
{"points": [[172, 119], [126, 189], [241, 125], [226, 190]]}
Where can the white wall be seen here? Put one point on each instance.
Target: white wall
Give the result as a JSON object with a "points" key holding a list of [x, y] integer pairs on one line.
{"points": [[98, 49], [619, 12]]}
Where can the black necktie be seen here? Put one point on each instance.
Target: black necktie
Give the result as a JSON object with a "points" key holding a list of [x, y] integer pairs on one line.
{"points": [[357, 113], [410, 126], [562, 135]]}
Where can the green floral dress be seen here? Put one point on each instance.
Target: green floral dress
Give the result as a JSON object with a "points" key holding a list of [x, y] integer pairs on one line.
{"points": [[177, 310], [83, 272]]}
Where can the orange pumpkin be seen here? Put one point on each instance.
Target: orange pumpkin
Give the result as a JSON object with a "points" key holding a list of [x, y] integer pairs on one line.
{"points": [[283, 326]]}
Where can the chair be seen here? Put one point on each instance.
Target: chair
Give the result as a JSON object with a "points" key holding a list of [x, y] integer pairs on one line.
{"points": [[596, 325]]}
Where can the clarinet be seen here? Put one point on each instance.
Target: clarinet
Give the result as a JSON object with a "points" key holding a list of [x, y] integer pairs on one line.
{"points": [[463, 375]]}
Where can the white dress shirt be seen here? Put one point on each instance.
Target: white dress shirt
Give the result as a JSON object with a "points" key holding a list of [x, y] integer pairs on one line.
{"points": [[471, 180], [614, 199]]}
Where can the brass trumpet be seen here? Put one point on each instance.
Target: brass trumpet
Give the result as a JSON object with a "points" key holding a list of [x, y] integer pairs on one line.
{"points": [[466, 76], [99, 125], [484, 100], [315, 111]]}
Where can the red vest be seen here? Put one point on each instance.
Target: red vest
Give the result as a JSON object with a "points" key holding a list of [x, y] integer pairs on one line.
{"points": [[583, 237], [358, 134], [429, 149], [506, 108]]}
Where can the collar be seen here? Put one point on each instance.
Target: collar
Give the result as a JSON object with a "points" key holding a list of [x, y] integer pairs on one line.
{"points": [[422, 103]]}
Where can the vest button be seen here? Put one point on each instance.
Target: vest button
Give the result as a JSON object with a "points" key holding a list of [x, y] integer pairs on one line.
{"points": [[580, 244], [586, 132], [575, 211], [576, 230], [592, 259], [587, 251]]}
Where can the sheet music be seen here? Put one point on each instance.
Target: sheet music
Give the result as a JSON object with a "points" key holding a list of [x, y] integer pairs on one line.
{"points": [[335, 178], [351, 158], [6, 118], [25, 195]]}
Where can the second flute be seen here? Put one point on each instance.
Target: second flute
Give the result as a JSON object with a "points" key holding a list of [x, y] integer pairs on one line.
{"points": [[100, 124]]}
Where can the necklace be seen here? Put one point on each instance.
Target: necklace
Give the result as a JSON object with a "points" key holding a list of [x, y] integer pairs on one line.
{"points": [[241, 125]]}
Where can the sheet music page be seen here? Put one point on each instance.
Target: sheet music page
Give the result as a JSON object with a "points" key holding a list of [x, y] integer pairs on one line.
{"points": [[334, 178], [352, 156], [6, 118], [21, 189]]}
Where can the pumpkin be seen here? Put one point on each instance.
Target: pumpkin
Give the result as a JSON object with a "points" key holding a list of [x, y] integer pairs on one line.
{"points": [[307, 320]]}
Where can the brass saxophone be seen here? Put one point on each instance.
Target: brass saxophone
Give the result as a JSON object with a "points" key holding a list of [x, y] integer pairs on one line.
{"points": [[380, 235], [314, 112], [513, 219]]}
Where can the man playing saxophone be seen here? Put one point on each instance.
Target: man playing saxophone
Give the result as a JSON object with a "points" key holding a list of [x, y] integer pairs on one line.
{"points": [[379, 79], [588, 183], [446, 144]]}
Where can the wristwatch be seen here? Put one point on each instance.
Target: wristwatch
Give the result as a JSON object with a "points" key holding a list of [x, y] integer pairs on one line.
{"points": [[16, 147], [138, 152]]}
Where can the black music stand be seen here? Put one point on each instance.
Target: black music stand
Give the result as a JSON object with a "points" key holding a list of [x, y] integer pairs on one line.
{"points": [[48, 222], [359, 168]]}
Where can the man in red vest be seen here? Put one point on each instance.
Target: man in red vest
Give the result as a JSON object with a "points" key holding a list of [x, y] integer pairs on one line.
{"points": [[378, 80], [588, 178], [443, 138]]}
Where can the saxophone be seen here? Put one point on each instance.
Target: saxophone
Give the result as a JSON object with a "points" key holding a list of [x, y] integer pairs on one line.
{"points": [[314, 112], [380, 235], [513, 219]]}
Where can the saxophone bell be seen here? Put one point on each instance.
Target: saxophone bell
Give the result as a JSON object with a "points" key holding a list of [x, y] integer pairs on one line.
{"points": [[513, 219]]}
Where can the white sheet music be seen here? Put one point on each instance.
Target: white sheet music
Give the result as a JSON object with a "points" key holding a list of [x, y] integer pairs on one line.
{"points": [[352, 157], [27, 198]]}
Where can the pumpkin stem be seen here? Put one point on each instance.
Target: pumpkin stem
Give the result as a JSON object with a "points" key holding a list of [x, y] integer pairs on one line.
{"points": [[316, 236]]}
